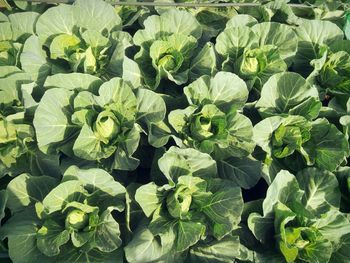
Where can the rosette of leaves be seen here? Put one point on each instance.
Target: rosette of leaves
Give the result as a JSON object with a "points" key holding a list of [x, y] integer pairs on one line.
{"points": [[14, 30], [323, 10], [212, 123], [332, 70], [194, 205], [170, 49], [15, 137], [104, 128], [131, 15], [301, 219], [16, 90], [313, 37], [291, 135], [18, 149], [338, 111], [212, 19], [84, 37], [255, 51], [67, 221], [288, 93], [294, 142]]}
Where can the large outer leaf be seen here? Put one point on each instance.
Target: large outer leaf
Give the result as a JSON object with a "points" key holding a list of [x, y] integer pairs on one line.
{"points": [[21, 231], [71, 254], [96, 15], [333, 226], [34, 61], [321, 190], [6, 71], [262, 227], [123, 159], [327, 147], [151, 107], [10, 82], [172, 21], [100, 183], [347, 27], [52, 119], [343, 176], [119, 64], [149, 198], [311, 35], [23, 24], [218, 251], [240, 139], [283, 216], [284, 189], [50, 237], [223, 208], [263, 131], [177, 162], [188, 234], [226, 90], [56, 20], [245, 172], [131, 72], [232, 41], [26, 190], [241, 20], [107, 234], [342, 253], [117, 91], [88, 145], [288, 93], [64, 194], [5, 31], [145, 247], [279, 35], [73, 81], [204, 63]]}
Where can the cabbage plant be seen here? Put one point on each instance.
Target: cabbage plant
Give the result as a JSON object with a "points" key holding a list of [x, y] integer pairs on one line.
{"points": [[331, 70], [14, 30], [170, 49], [212, 123], [313, 36], [194, 205], [104, 128], [16, 91], [255, 51], [18, 149], [162, 134], [301, 217], [292, 135], [14, 142], [85, 37], [64, 221]]}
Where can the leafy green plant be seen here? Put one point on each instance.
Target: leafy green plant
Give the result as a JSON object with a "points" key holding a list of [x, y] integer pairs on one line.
{"points": [[193, 205], [104, 128], [167, 133], [67, 220], [212, 122], [169, 43], [301, 217], [255, 51], [331, 71]]}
